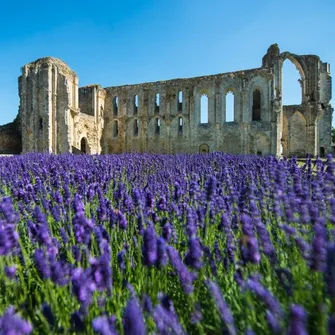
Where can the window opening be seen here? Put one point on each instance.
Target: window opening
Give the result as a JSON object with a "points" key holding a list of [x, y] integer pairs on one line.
{"points": [[136, 104], [136, 126], [158, 126], [157, 98], [230, 101], [204, 109], [256, 105], [180, 101], [180, 126], [116, 106], [115, 129]]}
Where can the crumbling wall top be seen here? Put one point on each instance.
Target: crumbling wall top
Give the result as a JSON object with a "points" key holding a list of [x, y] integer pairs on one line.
{"points": [[61, 65], [194, 81]]}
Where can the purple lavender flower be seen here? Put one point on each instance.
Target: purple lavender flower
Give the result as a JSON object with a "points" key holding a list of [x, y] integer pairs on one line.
{"points": [[191, 228], [329, 274], [133, 321], [331, 324], [13, 324], [101, 272], [10, 271], [150, 246], [77, 322], [273, 322], [210, 189], [167, 232], [194, 255], [122, 220], [121, 260], [8, 238], [48, 314], [318, 247], [82, 286], [270, 301], [166, 319], [147, 304], [249, 249], [298, 321], [42, 264], [221, 305], [162, 257], [186, 278], [104, 325]]}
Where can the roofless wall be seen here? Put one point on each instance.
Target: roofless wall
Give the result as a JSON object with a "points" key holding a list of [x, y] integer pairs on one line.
{"points": [[236, 112]]}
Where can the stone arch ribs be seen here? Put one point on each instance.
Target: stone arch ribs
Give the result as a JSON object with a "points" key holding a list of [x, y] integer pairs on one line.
{"points": [[294, 59]]}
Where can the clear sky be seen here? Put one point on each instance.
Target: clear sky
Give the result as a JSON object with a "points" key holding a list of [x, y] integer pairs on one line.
{"points": [[128, 42]]}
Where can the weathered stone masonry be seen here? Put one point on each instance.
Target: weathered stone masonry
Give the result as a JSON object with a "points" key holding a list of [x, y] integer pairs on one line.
{"points": [[165, 116]]}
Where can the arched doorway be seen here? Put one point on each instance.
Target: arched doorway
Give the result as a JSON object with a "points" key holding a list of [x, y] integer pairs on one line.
{"points": [[204, 148], [322, 152], [84, 145], [297, 135]]}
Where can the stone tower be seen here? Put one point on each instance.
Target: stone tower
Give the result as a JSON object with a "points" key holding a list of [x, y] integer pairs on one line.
{"points": [[48, 91]]}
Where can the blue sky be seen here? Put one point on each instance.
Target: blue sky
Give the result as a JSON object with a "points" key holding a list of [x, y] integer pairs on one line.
{"points": [[127, 42]]}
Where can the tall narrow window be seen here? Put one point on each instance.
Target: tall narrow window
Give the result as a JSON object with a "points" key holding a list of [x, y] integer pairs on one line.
{"points": [[115, 129], [180, 126], [180, 101], [136, 126], [157, 98], [204, 109], [135, 104], [157, 126], [230, 110], [116, 106], [256, 105], [83, 145], [41, 123]]}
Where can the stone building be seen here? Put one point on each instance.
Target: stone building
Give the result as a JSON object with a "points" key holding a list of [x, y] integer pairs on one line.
{"points": [[174, 116]]}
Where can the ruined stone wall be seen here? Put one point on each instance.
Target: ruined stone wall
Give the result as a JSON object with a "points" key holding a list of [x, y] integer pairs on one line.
{"points": [[48, 91], [10, 138], [305, 128], [89, 122], [166, 117], [137, 127]]}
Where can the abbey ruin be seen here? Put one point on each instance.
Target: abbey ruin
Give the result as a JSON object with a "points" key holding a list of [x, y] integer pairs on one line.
{"points": [[57, 116]]}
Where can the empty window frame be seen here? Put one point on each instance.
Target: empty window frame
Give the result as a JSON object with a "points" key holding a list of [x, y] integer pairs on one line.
{"points": [[204, 109], [83, 145], [157, 126], [180, 101], [136, 127], [135, 104], [230, 104], [157, 102], [256, 105], [116, 106], [115, 129], [180, 126]]}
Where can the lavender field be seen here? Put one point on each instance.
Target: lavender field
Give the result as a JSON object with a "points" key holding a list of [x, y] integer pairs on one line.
{"points": [[157, 244]]}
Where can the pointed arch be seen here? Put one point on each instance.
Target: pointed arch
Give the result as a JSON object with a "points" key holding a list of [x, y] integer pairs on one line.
{"points": [[262, 144], [297, 135], [84, 145], [292, 81]]}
